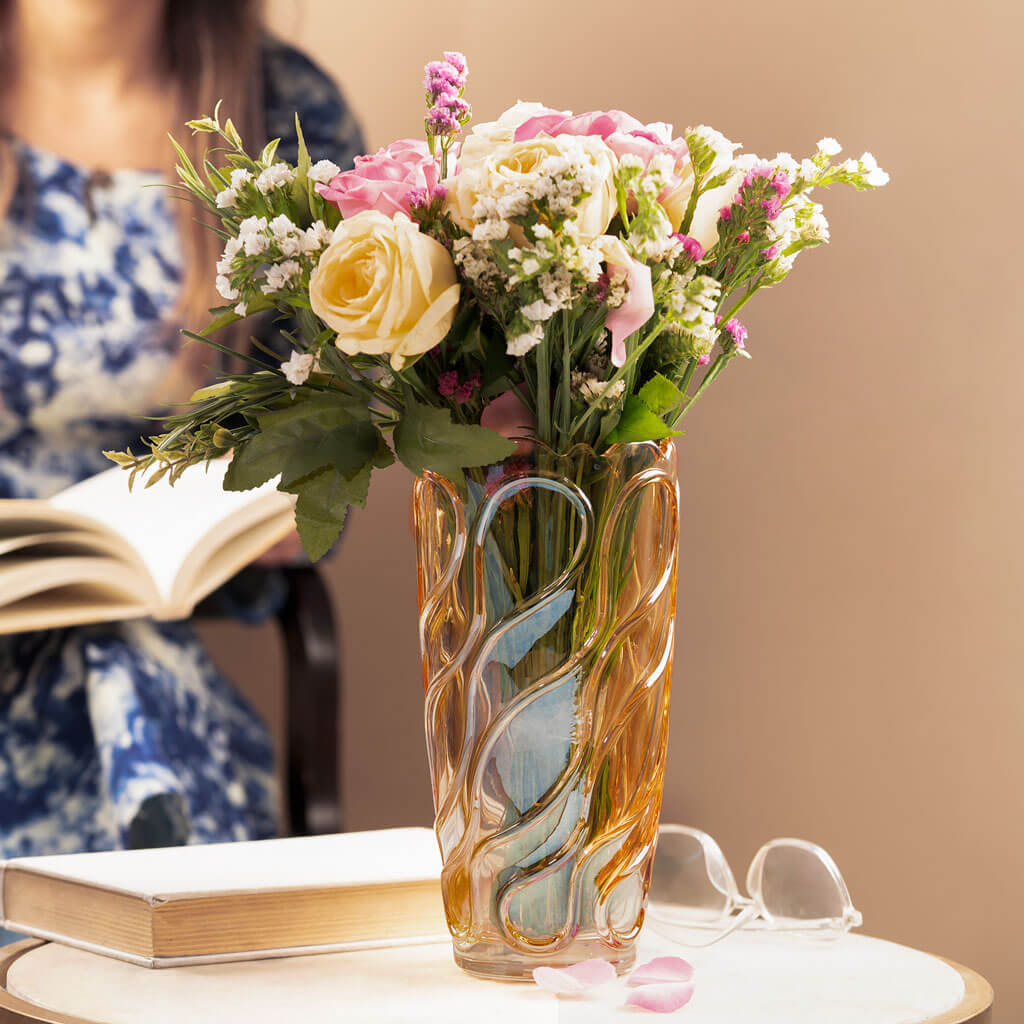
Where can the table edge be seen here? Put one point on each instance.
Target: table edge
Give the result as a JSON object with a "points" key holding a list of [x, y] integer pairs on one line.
{"points": [[975, 1008]]}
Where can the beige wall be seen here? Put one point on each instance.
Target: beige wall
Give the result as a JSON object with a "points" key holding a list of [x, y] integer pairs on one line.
{"points": [[850, 659]]}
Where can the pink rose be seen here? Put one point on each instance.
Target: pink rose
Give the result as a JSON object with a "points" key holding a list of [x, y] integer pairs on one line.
{"points": [[638, 308], [383, 181], [624, 134]]}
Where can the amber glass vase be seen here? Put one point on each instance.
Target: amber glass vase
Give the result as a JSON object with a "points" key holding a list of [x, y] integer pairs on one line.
{"points": [[547, 600]]}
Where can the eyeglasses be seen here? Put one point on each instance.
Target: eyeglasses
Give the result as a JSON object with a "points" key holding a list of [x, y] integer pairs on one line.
{"points": [[794, 886]]}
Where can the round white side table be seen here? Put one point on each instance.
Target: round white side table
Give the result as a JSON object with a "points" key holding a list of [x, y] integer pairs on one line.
{"points": [[751, 978]]}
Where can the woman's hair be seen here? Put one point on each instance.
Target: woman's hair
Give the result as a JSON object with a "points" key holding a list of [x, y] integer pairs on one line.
{"points": [[211, 52]]}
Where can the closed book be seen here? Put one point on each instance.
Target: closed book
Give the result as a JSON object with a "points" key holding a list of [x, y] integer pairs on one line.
{"points": [[232, 901]]}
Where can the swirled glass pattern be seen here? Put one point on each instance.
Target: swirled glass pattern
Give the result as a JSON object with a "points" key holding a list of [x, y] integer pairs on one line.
{"points": [[547, 599]]}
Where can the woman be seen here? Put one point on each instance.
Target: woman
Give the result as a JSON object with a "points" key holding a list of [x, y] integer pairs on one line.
{"points": [[124, 734]]}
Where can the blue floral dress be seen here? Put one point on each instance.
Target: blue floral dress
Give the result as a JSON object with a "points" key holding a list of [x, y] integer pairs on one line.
{"points": [[124, 734]]}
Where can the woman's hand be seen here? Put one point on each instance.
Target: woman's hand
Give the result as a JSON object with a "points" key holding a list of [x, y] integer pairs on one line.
{"points": [[287, 551]]}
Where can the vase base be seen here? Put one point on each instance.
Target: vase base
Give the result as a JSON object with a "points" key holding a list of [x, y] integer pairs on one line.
{"points": [[503, 964]]}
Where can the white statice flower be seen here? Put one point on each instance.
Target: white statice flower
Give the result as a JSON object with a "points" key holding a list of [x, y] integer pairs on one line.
{"points": [[279, 275], [240, 177], [594, 391], [323, 171], [241, 309], [252, 234], [275, 176], [829, 147], [808, 169], [523, 343], [695, 303], [514, 203], [317, 236], [298, 367], [875, 177], [475, 261], [851, 166], [815, 227], [232, 247], [493, 229], [785, 162], [226, 198], [225, 289], [287, 235], [618, 287], [587, 261], [556, 286], [539, 311]]}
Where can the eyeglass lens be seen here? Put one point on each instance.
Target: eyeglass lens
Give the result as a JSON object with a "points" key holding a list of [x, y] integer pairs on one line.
{"points": [[685, 888], [796, 885]]}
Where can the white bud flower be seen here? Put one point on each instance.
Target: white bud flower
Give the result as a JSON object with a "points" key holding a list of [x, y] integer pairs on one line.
{"points": [[298, 367]]}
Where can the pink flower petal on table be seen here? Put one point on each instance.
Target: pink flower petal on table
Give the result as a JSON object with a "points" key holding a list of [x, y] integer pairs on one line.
{"points": [[661, 970], [661, 998], [592, 972], [574, 979]]}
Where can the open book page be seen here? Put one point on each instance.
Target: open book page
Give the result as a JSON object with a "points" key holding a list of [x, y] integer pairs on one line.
{"points": [[164, 524]]}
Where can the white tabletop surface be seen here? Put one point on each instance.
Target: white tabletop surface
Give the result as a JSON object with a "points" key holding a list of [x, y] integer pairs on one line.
{"points": [[750, 978]]}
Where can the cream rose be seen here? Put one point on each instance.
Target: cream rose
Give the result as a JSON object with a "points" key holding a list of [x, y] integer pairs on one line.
{"points": [[501, 172], [676, 198], [385, 287], [483, 137]]}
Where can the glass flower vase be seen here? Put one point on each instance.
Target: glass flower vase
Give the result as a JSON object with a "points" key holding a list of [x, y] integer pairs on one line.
{"points": [[547, 599]]}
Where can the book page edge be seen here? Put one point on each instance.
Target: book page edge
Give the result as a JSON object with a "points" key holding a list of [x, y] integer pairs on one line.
{"points": [[158, 899], [157, 962]]}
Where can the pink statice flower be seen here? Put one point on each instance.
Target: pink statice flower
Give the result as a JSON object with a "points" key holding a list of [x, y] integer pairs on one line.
{"points": [[725, 213], [458, 61], [743, 236], [755, 172], [384, 180], [467, 389], [737, 331], [772, 207], [448, 383], [781, 184], [691, 247], [444, 82]]}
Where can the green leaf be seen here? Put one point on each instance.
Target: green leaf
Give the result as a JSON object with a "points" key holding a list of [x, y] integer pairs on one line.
{"points": [[717, 181], [302, 188], [269, 151], [303, 437], [660, 395], [426, 438], [324, 500], [638, 423]]}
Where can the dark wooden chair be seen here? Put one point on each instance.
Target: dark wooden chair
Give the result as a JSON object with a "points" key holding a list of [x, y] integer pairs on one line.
{"points": [[312, 702]]}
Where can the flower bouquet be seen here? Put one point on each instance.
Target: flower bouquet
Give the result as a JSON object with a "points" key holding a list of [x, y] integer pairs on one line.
{"points": [[521, 314]]}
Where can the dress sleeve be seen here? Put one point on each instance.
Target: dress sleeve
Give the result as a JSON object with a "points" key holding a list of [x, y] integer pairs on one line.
{"points": [[293, 84]]}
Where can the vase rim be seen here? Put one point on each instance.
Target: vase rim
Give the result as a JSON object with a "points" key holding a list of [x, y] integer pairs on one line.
{"points": [[664, 448]]}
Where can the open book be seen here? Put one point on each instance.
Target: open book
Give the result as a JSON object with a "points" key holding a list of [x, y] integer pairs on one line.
{"points": [[97, 553]]}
